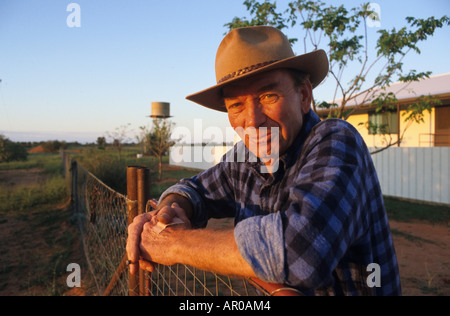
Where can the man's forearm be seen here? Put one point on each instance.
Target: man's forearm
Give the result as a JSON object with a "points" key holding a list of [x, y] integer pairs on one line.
{"points": [[206, 249], [211, 250]]}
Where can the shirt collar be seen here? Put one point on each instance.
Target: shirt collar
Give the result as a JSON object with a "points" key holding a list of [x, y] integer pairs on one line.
{"points": [[310, 119]]}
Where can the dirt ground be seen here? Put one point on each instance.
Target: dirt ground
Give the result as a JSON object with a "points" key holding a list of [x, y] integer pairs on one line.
{"points": [[424, 257], [422, 250], [21, 177]]}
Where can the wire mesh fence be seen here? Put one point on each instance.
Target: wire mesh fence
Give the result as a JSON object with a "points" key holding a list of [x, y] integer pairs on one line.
{"points": [[103, 216], [183, 280]]}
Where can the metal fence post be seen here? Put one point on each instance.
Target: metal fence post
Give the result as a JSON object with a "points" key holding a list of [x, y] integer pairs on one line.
{"points": [[132, 212], [143, 188], [74, 191]]}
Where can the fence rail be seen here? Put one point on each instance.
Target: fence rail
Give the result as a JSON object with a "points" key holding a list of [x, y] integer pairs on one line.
{"points": [[432, 140], [103, 216]]}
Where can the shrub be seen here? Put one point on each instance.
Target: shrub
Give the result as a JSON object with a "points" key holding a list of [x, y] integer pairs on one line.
{"points": [[10, 151], [106, 167]]}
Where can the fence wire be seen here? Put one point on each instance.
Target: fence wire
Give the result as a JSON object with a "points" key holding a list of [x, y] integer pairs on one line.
{"points": [[102, 214], [103, 224], [183, 280]]}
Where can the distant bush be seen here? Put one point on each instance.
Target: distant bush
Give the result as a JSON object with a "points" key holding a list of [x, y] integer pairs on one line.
{"points": [[53, 146], [108, 168], [10, 151]]}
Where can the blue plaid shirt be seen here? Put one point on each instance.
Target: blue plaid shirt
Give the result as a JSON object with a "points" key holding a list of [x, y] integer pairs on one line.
{"points": [[316, 224]]}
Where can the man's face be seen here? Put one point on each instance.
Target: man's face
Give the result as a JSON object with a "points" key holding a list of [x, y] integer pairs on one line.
{"points": [[263, 103]]}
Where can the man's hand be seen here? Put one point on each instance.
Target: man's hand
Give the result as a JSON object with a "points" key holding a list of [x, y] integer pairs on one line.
{"points": [[134, 240], [137, 246]]}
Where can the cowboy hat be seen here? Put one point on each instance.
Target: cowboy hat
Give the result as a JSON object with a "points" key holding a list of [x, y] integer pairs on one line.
{"points": [[247, 51]]}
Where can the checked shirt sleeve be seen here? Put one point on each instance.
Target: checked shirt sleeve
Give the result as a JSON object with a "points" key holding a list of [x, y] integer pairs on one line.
{"points": [[209, 192]]}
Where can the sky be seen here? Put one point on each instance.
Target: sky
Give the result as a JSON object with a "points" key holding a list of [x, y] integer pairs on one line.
{"points": [[79, 83]]}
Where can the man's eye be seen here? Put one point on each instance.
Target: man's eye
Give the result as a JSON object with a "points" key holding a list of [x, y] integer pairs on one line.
{"points": [[234, 105], [269, 98]]}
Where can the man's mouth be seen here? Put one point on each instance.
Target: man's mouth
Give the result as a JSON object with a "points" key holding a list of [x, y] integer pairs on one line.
{"points": [[263, 142]]}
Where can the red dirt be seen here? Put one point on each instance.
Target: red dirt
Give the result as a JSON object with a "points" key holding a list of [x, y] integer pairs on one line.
{"points": [[424, 258], [37, 149]]}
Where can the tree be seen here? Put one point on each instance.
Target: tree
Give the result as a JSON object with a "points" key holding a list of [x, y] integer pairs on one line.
{"points": [[142, 139], [119, 137], [10, 151], [53, 146], [347, 43], [159, 140], [101, 142]]}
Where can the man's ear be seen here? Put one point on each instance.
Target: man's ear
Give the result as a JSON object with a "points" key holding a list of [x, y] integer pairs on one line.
{"points": [[306, 96]]}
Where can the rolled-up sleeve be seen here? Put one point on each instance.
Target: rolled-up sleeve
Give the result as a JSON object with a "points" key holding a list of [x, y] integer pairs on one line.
{"points": [[199, 218], [261, 244]]}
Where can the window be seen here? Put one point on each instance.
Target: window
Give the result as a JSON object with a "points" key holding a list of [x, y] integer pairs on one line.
{"points": [[383, 123], [442, 134]]}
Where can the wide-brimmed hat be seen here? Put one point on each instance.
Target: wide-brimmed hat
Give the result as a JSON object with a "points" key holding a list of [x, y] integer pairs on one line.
{"points": [[247, 51]]}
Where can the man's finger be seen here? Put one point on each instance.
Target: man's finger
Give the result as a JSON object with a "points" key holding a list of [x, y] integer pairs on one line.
{"points": [[166, 214], [133, 241], [134, 267], [181, 214], [146, 265]]}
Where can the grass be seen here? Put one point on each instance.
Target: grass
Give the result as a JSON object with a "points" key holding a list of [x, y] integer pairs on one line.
{"points": [[49, 163], [23, 198], [38, 235], [406, 211]]}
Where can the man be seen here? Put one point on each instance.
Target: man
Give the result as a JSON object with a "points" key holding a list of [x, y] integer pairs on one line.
{"points": [[308, 212]]}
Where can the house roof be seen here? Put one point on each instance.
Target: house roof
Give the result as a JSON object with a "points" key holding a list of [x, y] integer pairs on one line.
{"points": [[438, 85], [435, 85]]}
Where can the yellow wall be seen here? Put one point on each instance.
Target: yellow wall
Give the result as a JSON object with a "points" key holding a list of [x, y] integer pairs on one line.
{"points": [[411, 137]]}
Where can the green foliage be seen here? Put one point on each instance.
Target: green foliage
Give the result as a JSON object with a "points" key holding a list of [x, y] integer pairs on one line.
{"points": [[159, 140], [107, 167], [53, 146], [416, 110], [385, 102], [263, 14], [10, 151], [101, 142], [400, 42], [159, 137]]}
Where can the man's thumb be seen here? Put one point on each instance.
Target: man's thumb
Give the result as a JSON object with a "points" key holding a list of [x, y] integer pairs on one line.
{"points": [[175, 205]]}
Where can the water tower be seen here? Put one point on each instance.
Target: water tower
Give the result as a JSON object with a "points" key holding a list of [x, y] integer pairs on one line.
{"points": [[160, 110]]}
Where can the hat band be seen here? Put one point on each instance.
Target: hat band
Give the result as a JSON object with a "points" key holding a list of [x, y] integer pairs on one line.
{"points": [[245, 70]]}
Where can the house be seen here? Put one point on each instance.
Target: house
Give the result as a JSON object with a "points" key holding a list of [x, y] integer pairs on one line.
{"points": [[434, 131]]}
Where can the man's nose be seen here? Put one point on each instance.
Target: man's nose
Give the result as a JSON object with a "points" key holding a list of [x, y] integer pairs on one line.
{"points": [[255, 116]]}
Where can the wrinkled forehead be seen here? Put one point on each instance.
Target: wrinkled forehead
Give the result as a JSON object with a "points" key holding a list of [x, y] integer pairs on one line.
{"points": [[273, 79]]}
